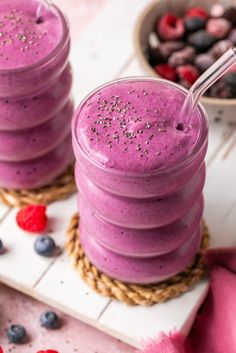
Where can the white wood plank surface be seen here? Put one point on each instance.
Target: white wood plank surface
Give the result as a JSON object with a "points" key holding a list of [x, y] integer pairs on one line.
{"points": [[103, 52], [134, 325]]}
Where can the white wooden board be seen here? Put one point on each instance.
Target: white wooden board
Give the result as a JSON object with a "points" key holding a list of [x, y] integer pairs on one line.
{"points": [[104, 52]]}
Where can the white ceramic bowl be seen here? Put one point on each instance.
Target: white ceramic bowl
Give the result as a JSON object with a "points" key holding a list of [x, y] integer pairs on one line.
{"points": [[215, 107]]}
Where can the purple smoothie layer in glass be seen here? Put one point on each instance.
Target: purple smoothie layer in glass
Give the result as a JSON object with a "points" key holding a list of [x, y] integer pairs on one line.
{"points": [[141, 213], [140, 180], [140, 242], [23, 145], [140, 270], [37, 172], [27, 112]]}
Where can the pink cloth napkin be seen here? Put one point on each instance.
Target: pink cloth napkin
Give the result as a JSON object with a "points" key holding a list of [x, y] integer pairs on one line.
{"points": [[214, 330]]}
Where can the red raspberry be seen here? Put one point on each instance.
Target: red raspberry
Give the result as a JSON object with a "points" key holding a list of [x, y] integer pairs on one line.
{"points": [[170, 27], [197, 11], [188, 74], [32, 218], [166, 71], [47, 351]]}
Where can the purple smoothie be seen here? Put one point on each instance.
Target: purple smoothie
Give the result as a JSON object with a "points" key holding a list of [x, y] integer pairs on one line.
{"points": [[140, 180], [140, 270], [35, 85], [140, 242], [141, 213], [125, 131], [28, 44]]}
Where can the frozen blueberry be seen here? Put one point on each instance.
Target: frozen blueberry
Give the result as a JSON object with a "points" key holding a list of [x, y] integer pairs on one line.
{"points": [[16, 334], [193, 24], [49, 320], [201, 40], [204, 61], [1, 247], [220, 48], [220, 90], [230, 80], [167, 48], [230, 15], [182, 57], [45, 246], [232, 36]]}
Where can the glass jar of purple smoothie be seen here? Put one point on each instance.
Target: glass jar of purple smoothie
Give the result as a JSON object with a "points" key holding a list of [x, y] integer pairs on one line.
{"points": [[140, 180], [35, 94]]}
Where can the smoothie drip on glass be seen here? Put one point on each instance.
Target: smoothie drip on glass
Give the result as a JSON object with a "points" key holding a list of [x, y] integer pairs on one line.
{"points": [[139, 179], [35, 85]]}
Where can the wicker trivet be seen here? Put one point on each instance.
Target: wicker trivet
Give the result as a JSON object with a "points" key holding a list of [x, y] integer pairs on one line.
{"points": [[129, 293], [62, 187]]}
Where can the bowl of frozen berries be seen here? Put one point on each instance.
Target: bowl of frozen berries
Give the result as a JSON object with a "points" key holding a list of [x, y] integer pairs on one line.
{"points": [[179, 40]]}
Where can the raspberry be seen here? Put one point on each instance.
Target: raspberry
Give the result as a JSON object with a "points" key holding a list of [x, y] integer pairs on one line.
{"points": [[32, 218], [170, 27], [218, 27], [197, 12], [166, 71], [47, 351], [188, 74]]}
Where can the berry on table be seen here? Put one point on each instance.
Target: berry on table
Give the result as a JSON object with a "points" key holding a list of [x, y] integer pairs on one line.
{"points": [[47, 351], [16, 334], [188, 74], [218, 27], [166, 71], [49, 320], [1, 251], [32, 218], [45, 246], [201, 40], [204, 61], [170, 27], [195, 23], [196, 11]]}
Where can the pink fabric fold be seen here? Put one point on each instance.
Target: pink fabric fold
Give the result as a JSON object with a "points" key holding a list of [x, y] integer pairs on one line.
{"points": [[214, 330]]}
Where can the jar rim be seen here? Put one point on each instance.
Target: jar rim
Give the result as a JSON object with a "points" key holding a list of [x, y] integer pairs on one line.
{"points": [[63, 41], [201, 141]]}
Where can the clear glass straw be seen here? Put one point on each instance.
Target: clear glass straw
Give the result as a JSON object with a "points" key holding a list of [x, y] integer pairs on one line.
{"points": [[206, 80], [40, 6]]}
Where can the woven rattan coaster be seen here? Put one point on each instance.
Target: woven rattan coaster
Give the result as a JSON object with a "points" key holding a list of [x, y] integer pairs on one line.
{"points": [[129, 293], [62, 187]]}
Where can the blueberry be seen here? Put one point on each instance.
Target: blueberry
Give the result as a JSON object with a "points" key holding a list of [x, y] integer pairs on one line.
{"points": [[204, 61], [16, 334], [49, 320], [45, 246], [201, 40], [193, 24], [230, 80], [1, 247]]}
